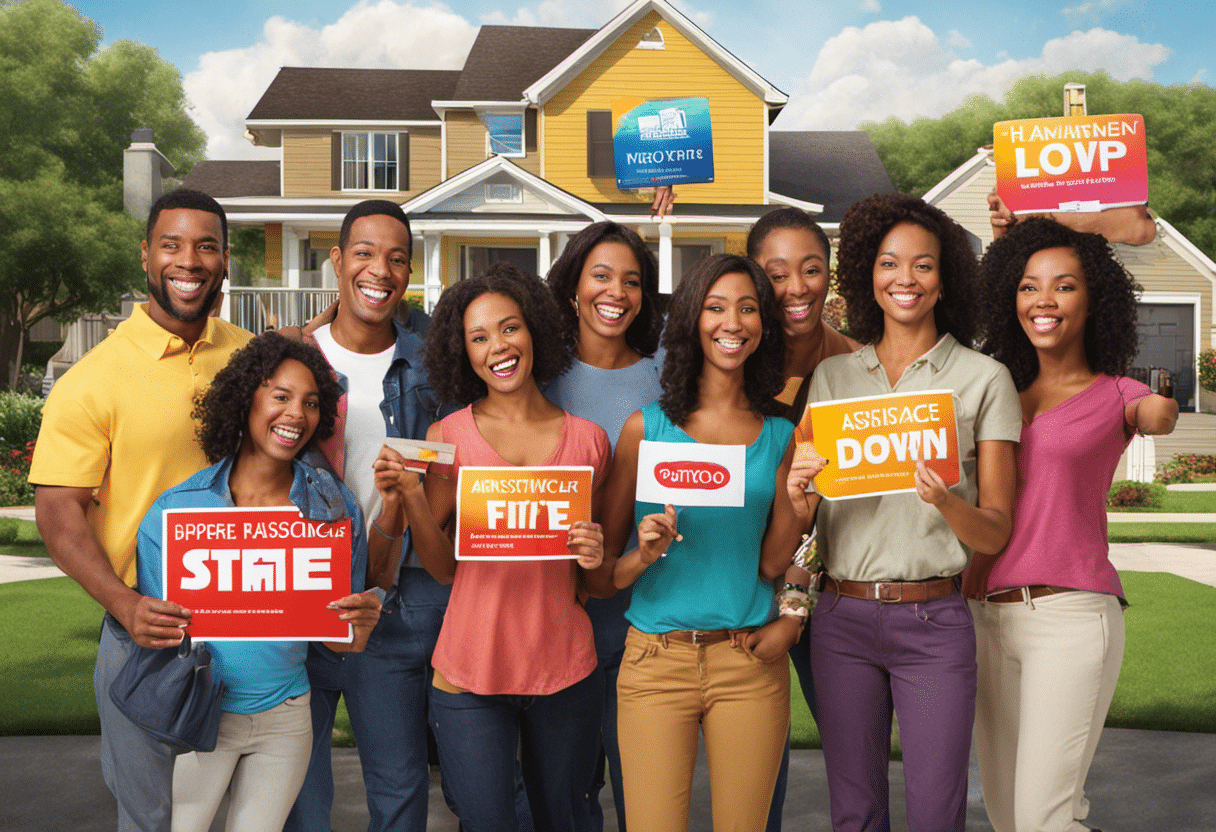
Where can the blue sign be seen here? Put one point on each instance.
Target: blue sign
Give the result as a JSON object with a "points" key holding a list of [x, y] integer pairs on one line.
{"points": [[664, 142]]}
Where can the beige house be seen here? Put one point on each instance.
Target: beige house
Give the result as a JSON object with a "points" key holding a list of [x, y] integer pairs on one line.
{"points": [[1178, 280], [507, 157]]}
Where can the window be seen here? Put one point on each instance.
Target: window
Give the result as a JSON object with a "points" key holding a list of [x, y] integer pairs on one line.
{"points": [[369, 161], [505, 133], [504, 192], [652, 40], [599, 143]]}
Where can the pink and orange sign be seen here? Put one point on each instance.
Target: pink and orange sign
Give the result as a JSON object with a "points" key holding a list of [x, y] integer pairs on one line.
{"points": [[519, 513], [1077, 163], [873, 444], [257, 574]]}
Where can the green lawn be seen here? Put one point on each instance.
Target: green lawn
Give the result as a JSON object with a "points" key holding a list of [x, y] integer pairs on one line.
{"points": [[28, 543], [1182, 501], [1202, 533], [49, 630]]}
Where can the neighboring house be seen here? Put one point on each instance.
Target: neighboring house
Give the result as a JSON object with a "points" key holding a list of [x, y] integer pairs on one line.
{"points": [[1176, 318], [507, 157]]}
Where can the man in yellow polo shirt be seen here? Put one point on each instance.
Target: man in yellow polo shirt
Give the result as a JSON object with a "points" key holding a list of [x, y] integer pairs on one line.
{"points": [[116, 432]]}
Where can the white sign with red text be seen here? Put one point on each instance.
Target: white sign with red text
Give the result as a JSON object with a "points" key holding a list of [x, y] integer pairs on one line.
{"points": [[691, 473]]}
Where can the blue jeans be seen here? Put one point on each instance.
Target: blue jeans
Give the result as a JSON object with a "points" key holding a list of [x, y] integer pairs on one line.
{"points": [[800, 656], [386, 689], [557, 739]]}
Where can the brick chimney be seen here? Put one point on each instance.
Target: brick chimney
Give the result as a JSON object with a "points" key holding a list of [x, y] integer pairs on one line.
{"points": [[143, 167]]}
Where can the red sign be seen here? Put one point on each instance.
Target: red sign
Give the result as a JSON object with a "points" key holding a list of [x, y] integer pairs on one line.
{"points": [[257, 574], [520, 513], [690, 474]]}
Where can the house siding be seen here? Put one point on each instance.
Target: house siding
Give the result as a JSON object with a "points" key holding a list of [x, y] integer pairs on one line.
{"points": [[274, 252], [426, 145], [679, 70], [466, 141], [306, 161]]}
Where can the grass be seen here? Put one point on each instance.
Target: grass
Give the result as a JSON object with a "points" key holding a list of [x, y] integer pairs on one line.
{"points": [[28, 543], [1202, 533], [1181, 502], [49, 629]]}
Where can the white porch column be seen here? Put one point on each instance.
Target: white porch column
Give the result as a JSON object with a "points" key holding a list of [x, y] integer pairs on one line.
{"points": [[544, 255], [665, 257], [432, 266], [291, 256]]}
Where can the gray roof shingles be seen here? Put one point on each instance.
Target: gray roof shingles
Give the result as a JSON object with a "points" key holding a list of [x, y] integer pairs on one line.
{"points": [[354, 94], [834, 168], [506, 59], [234, 178]]}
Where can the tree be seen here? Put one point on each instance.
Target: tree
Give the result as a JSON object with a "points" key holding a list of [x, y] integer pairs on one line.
{"points": [[1177, 119], [67, 111]]}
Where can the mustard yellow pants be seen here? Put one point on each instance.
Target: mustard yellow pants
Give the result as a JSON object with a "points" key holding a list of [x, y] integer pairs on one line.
{"points": [[665, 692]]}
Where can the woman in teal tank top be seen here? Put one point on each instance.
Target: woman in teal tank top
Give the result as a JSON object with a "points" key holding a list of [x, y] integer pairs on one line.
{"points": [[702, 577]]}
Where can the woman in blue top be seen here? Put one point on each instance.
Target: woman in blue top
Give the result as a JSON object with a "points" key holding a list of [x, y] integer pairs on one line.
{"points": [[702, 578], [261, 412], [607, 285]]}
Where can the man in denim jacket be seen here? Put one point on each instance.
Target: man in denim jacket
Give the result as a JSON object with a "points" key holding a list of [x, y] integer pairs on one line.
{"points": [[379, 363]]}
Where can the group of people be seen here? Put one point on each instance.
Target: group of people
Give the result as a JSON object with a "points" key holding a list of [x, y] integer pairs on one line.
{"points": [[989, 603]]}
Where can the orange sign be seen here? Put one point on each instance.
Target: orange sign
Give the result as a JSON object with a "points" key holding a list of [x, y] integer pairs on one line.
{"points": [[519, 513], [872, 444], [1078, 163]]}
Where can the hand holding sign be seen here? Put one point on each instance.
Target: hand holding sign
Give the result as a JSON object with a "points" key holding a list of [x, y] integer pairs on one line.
{"points": [[806, 465], [362, 613], [586, 542], [655, 533]]}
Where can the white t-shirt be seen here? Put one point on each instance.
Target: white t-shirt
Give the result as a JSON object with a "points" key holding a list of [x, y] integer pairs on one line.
{"points": [[364, 421]]}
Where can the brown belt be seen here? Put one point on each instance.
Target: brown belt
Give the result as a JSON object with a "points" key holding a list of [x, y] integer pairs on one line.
{"points": [[701, 636], [893, 592], [1013, 596]]}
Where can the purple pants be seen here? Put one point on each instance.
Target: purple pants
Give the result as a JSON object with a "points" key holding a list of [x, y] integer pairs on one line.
{"points": [[870, 656]]}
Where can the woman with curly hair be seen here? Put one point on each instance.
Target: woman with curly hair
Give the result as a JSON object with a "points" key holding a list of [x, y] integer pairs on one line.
{"points": [[1060, 311], [702, 577], [515, 664], [607, 286], [275, 399], [891, 630]]}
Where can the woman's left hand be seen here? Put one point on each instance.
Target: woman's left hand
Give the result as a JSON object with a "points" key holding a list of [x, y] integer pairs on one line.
{"points": [[929, 486], [362, 611], [774, 639], [586, 539]]}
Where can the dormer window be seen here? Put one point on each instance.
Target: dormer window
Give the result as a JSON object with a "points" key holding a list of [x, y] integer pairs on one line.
{"points": [[504, 133], [652, 40]]}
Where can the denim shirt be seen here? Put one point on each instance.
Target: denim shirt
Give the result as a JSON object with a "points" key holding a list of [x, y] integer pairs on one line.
{"points": [[258, 674]]}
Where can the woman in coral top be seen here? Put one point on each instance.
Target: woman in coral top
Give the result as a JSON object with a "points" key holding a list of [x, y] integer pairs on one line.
{"points": [[515, 664], [1060, 312]]}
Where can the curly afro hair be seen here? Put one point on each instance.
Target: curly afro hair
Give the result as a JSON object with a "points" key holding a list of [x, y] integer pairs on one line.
{"points": [[762, 371], [642, 335], [223, 411], [862, 230], [447, 362], [1110, 329]]}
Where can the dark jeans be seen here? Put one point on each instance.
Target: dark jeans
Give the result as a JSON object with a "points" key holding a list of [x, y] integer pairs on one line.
{"points": [[917, 659], [557, 741], [386, 689], [800, 656]]}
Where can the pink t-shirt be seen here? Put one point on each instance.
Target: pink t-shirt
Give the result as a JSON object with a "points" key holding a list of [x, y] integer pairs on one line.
{"points": [[1066, 461], [516, 627]]}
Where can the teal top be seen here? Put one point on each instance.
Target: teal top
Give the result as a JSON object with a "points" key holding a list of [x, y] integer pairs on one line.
{"points": [[711, 579]]}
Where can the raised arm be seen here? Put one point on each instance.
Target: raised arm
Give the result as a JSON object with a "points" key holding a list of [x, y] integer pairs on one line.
{"points": [[655, 532], [788, 522], [427, 506], [984, 527], [60, 514]]}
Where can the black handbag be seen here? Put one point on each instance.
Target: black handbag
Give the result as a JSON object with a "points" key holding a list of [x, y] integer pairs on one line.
{"points": [[172, 694]]}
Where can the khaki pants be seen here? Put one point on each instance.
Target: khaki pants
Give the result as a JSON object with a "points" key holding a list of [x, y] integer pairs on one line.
{"points": [[665, 692], [1047, 673], [261, 757]]}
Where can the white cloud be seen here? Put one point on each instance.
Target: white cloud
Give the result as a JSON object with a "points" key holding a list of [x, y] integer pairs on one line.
{"points": [[383, 34], [903, 69], [871, 6], [582, 14], [1092, 8], [958, 40]]}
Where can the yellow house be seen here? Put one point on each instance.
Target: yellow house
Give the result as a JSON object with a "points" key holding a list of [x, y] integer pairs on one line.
{"points": [[507, 157]]}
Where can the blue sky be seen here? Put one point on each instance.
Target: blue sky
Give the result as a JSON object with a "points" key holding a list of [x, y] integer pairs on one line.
{"points": [[841, 62]]}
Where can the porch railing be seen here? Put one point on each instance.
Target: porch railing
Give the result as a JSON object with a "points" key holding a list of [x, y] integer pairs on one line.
{"points": [[258, 308]]}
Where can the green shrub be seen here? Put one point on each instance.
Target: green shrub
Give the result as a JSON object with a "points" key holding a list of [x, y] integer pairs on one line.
{"points": [[1207, 370], [15, 489], [1185, 467], [20, 418], [1132, 494], [8, 531]]}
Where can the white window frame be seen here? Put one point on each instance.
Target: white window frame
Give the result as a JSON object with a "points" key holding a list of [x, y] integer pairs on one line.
{"points": [[486, 115], [368, 163], [653, 40], [516, 197]]}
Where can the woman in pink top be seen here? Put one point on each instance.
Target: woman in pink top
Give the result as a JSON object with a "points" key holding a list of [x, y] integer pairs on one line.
{"points": [[515, 665], [1060, 311]]}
